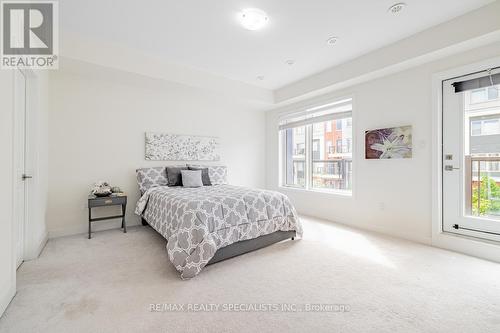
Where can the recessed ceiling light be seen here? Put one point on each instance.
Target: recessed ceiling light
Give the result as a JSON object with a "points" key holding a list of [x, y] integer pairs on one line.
{"points": [[396, 8], [332, 40], [260, 77], [253, 18], [290, 62]]}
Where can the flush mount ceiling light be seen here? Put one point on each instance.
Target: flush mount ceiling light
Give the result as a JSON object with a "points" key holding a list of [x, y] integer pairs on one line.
{"points": [[253, 18], [260, 77], [396, 8], [332, 41], [290, 62]]}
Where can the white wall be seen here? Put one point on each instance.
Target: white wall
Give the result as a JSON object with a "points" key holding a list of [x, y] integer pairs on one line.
{"points": [[97, 122], [7, 263], [390, 196]]}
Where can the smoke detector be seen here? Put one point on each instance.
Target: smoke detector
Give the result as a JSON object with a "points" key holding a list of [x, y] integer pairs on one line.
{"points": [[396, 8], [332, 41]]}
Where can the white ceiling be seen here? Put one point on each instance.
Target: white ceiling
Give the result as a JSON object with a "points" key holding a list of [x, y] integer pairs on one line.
{"points": [[206, 35]]}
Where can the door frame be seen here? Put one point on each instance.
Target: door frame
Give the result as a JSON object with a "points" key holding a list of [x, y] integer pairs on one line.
{"points": [[465, 244]]}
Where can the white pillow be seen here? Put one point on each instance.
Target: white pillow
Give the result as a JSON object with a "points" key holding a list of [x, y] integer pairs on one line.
{"points": [[217, 173], [191, 178]]}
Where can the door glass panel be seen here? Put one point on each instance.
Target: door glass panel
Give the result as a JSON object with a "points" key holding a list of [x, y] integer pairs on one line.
{"points": [[482, 153]]}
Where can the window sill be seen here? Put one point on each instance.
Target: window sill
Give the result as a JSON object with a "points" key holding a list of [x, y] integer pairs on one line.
{"points": [[340, 193]]}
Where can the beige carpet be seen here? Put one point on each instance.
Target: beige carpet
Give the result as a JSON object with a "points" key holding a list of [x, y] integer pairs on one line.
{"points": [[108, 283]]}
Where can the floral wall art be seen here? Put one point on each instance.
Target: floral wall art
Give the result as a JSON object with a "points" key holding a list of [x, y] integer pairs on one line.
{"points": [[173, 147], [388, 143]]}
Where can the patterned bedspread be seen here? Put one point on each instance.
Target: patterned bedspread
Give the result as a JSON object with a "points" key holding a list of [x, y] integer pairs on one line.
{"points": [[198, 221]]}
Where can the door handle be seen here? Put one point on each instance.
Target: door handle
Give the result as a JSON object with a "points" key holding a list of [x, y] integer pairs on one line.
{"points": [[450, 168], [26, 177]]}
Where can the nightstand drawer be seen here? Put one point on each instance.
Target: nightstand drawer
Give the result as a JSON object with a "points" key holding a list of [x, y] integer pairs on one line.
{"points": [[107, 201]]}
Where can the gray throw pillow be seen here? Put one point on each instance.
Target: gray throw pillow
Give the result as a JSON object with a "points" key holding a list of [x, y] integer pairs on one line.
{"points": [[174, 175], [191, 178], [204, 175]]}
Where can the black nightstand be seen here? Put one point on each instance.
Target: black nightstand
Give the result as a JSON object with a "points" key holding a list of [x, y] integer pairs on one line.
{"points": [[107, 201]]}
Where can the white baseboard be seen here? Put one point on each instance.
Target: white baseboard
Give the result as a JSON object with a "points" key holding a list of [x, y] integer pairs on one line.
{"points": [[397, 234], [6, 297], [462, 244], [36, 250], [71, 230], [380, 230]]}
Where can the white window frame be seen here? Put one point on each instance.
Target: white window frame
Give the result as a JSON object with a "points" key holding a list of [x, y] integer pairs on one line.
{"points": [[308, 156]]}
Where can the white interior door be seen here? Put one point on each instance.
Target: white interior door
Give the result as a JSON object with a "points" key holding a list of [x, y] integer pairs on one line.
{"points": [[19, 163], [471, 156]]}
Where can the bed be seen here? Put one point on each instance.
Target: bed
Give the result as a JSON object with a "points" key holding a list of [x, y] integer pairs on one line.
{"points": [[208, 224]]}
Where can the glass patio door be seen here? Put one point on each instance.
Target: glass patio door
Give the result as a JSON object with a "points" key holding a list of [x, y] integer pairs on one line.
{"points": [[471, 155]]}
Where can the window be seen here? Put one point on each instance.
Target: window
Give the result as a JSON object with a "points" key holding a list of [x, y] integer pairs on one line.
{"points": [[493, 92], [300, 130], [475, 127], [348, 145], [339, 124], [314, 156], [484, 94], [300, 149], [478, 96], [490, 127], [339, 146], [316, 147], [329, 147], [485, 127]]}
